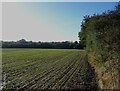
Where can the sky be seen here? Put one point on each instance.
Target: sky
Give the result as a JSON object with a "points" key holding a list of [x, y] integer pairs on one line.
{"points": [[47, 21]]}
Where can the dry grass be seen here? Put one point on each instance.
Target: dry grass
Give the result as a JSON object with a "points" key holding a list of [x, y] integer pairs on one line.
{"points": [[107, 76]]}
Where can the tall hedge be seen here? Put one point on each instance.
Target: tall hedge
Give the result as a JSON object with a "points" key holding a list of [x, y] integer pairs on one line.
{"points": [[101, 34]]}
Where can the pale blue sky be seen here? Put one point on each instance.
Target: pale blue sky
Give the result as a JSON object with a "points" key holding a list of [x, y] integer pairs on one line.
{"points": [[39, 21]]}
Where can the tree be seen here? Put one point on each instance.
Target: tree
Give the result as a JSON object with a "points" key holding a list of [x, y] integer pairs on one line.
{"points": [[22, 41]]}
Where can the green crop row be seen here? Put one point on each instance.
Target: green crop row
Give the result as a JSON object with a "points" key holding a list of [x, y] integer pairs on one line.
{"points": [[27, 69]]}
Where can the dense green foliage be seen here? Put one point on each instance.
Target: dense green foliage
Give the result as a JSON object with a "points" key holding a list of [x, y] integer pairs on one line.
{"points": [[28, 69], [29, 44], [101, 35]]}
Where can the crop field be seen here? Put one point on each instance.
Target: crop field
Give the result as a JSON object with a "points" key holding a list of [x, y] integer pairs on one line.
{"points": [[46, 69]]}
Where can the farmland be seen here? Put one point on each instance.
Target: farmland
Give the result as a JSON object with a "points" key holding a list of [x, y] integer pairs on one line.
{"points": [[27, 69]]}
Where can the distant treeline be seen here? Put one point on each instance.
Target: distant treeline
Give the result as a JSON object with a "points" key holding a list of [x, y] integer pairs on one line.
{"points": [[30, 44]]}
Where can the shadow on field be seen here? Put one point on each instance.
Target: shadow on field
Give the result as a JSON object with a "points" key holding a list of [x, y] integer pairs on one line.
{"points": [[90, 77], [85, 78]]}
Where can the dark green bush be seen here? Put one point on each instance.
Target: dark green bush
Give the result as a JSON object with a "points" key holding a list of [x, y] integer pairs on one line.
{"points": [[101, 35]]}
